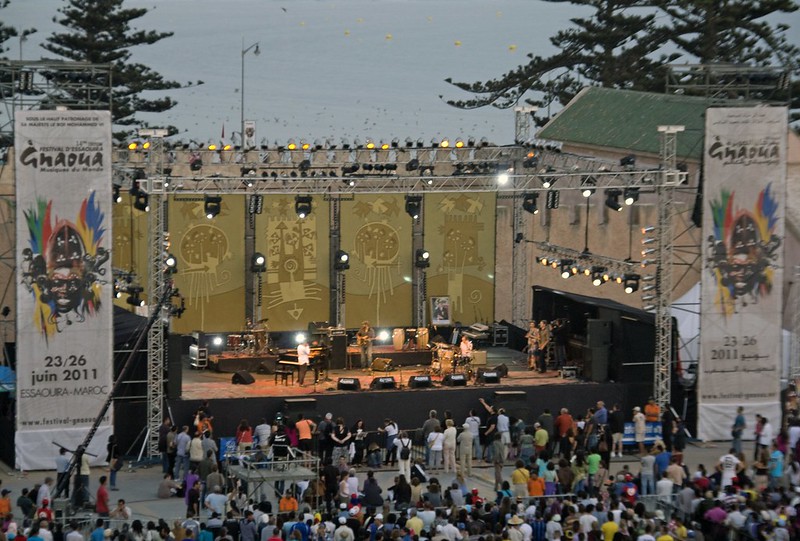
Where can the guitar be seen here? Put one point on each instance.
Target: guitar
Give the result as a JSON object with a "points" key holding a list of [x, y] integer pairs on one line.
{"points": [[364, 340]]}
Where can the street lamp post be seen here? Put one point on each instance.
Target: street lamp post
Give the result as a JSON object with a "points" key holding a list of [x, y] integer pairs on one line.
{"points": [[256, 52]]}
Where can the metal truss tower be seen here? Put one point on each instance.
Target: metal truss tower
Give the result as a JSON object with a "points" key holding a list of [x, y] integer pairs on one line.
{"points": [[419, 283], [337, 277], [665, 191], [520, 308]]}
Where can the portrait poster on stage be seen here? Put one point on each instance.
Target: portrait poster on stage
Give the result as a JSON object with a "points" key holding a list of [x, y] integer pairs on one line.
{"points": [[742, 278], [440, 310], [64, 282]]}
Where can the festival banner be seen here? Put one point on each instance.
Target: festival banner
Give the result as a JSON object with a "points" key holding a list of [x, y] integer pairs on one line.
{"points": [[742, 279], [64, 309]]}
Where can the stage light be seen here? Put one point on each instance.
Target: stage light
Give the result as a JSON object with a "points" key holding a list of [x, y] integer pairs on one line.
{"points": [[548, 181], [134, 300], [318, 145], [630, 282], [133, 145], [459, 143], [302, 206], [141, 200], [412, 165], [299, 338], [385, 146], [648, 298], [552, 199], [598, 275], [574, 268], [470, 141], [649, 307], [396, 142], [612, 199], [212, 146], [342, 260], [544, 261], [212, 205], [631, 196], [350, 168], [628, 161], [649, 287], [422, 259], [530, 161], [370, 144], [258, 263], [502, 179], [171, 262], [648, 251], [587, 186], [116, 197], [566, 268], [529, 202], [648, 229], [304, 144], [413, 206], [291, 145], [445, 143]]}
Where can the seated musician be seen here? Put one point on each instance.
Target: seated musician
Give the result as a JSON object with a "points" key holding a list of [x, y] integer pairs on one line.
{"points": [[303, 352], [466, 348]]}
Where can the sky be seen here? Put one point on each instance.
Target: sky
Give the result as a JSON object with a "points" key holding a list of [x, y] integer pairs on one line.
{"points": [[331, 68]]}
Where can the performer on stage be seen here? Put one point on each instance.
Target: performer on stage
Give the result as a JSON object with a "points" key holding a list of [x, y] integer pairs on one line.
{"points": [[303, 351], [533, 338], [466, 348], [364, 337]]}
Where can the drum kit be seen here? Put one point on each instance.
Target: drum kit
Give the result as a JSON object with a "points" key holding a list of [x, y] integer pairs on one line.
{"points": [[253, 339], [447, 360]]}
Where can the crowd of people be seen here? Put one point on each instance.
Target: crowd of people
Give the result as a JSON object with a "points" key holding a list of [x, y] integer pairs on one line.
{"points": [[562, 482]]}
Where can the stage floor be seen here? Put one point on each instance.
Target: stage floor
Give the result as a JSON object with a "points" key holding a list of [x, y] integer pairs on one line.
{"points": [[208, 384]]}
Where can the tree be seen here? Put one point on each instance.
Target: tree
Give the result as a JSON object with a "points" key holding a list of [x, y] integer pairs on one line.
{"points": [[8, 32], [100, 32], [619, 47]]}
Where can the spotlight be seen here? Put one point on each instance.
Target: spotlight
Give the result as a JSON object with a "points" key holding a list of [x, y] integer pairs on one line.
{"points": [[141, 200], [530, 161], [212, 205], [116, 197], [459, 143], [258, 263], [566, 268], [413, 206], [302, 206], [628, 161], [342, 261], [587, 188], [304, 144], [383, 336], [172, 263], [217, 341], [291, 145], [612, 199], [412, 165], [630, 282], [445, 143], [134, 300], [384, 145], [299, 338], [631, 196], [502, 178], [422, 259], [350, 168], [529, 202], [548, 181], [598, 275], [544, 261]]}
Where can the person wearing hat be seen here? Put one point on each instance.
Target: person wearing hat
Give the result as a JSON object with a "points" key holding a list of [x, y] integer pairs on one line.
{"points": [[343, 532], [514, 533], [553, 530], [364, 337], [639, 428], [465, 449]]}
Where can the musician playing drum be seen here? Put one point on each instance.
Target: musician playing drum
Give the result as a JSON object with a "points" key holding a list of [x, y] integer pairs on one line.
{"points": [[303, 351], [364, 338], [466, 349]]}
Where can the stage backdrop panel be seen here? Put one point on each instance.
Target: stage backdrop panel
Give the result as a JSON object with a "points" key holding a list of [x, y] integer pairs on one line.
{"points": [[459, 234], [376, 232], [742, 297], [131, 242], [295, 288], [64, 310], [211, 263]]}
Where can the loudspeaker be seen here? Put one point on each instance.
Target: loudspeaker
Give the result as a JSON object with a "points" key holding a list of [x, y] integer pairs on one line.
{"points": [[348, 384], [420, 382], [242, 377], [455, 380], [383, 382], [595, 363], [598, 333], [174, 366], [338, 351], [488, 376], [502, 370]]}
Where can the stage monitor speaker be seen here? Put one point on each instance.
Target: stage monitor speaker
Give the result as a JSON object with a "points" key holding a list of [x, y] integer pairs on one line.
{"points": [[598, 333], [383, 383], [595, 364], [174, 366], [338, 351], [420, 382], [502, 370], [488, 376], [242, 377], [455, 380], [348, 384]]}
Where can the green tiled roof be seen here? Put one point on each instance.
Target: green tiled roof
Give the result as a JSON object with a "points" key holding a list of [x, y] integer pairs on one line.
{"points": [[628, 120]]}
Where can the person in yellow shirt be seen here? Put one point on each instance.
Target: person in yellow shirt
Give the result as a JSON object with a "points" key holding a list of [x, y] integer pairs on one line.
{"points": [[609, 528], [535, 485], [519, 479], [664, 534]]}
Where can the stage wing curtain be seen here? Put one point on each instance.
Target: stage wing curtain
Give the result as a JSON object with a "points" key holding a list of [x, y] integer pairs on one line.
{"points": [[459, 234], [376, 232], [295, 288]]}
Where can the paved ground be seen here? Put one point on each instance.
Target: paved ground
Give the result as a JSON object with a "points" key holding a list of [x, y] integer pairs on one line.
{"points": [[138, 485]]}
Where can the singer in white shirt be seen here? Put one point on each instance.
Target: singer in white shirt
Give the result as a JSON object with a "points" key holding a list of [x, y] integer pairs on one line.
{"points": [[303, 351]]}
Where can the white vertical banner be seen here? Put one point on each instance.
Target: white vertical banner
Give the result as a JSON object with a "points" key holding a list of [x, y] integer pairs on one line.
{"points": [[742, 281], [249, 134], [64, 307]]}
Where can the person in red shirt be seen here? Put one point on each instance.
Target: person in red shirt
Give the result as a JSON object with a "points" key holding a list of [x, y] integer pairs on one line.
{"points": [[562, 425], [101, 507], [44, 512]]}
